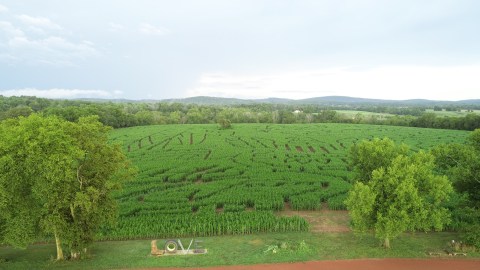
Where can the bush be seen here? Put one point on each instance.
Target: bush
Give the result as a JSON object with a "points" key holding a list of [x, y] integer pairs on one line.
{"points": [[225, 124], [471, 235]]}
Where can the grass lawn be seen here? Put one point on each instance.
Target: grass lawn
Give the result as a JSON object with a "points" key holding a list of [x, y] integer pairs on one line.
{"points": [[233, 250], [462, 113], [351, 113]]}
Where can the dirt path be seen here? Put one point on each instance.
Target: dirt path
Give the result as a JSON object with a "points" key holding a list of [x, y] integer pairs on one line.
{"points": [[367, 264], [323, 220]]}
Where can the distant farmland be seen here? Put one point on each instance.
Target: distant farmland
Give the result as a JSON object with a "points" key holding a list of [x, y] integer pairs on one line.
{"points": [[201, 180]]}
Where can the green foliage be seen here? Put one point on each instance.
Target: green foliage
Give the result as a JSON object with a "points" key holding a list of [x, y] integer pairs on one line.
{"points": [[471, 235], [403, 196], [461, 162], [225, 123], [208, 110], [286, 247], [56, 179], [474, 139], [371, 155]]}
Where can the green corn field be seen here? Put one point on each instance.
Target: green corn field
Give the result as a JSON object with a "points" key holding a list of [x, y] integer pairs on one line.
{"points": [[199, 180]]}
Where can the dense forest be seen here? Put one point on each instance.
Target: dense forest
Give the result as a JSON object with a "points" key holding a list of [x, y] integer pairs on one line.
{"points": [[128, 114]]}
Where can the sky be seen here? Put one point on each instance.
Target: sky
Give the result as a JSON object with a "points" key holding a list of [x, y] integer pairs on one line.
{"points": [[156, 49]]}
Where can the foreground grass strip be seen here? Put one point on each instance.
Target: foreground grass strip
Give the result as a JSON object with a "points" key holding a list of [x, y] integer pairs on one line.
{"points": [[235, 250]]}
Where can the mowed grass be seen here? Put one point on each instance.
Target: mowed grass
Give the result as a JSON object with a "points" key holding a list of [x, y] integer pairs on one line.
{"points": [[235, 250]]}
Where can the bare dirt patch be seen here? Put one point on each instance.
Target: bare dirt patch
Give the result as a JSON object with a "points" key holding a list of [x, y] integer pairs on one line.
{"points": [[256, 242], [359, 264], [299, 148], [311, 149], [323, 220]]}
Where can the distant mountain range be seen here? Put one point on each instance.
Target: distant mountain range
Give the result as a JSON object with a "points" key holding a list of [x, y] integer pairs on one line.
{"points": [[328, 100]]}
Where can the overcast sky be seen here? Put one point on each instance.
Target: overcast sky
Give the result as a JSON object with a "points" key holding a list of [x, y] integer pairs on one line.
{"points": [[146, 49]]}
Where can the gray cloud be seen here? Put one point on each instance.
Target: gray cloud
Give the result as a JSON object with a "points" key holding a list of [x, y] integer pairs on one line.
{"points": [[166, 48]]}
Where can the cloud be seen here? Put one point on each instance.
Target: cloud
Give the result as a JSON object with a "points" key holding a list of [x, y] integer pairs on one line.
{"points": [[53, 50], [40, 22], [3, 9], [116, 27], [39, 41], [148, 29], [387, 82], [59, 93], [10, 30]]}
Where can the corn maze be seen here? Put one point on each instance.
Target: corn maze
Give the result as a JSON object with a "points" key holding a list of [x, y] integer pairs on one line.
{"points": [[199, 180]]}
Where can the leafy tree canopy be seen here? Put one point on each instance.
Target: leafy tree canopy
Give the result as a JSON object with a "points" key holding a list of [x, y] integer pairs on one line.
{"points": [[56, 178], [368, 156], [461, 162], [401, 194]]}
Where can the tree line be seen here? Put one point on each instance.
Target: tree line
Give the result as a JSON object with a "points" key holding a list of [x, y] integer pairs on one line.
{"points": [[128, 114]]}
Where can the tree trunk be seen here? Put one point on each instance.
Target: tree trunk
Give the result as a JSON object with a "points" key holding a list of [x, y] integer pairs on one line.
{"points": [[59, 248], [386, 242]]}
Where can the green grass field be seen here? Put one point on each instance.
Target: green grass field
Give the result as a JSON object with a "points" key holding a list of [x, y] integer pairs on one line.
{"points": [[353, 114], [203, 181], [461, 113], [234, 250]]}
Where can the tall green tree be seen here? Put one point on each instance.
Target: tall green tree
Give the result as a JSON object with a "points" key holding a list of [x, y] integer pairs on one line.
{"points": [[461, 162], [56, 178], [368, 156], [403, 195]]}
